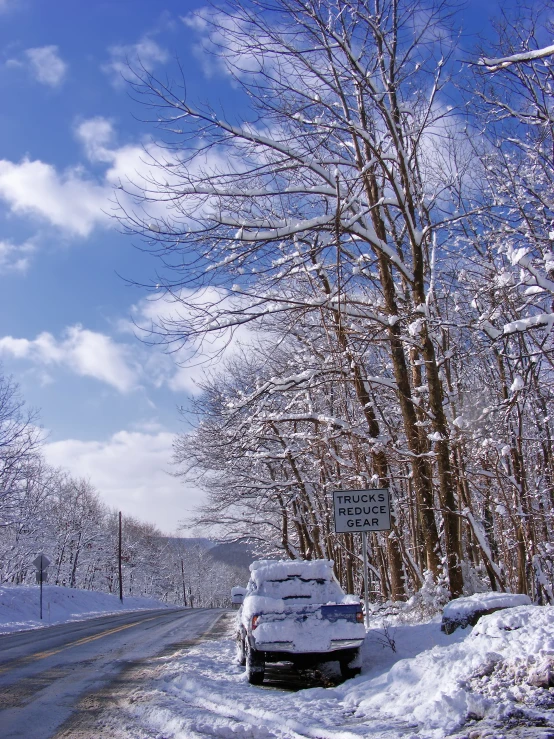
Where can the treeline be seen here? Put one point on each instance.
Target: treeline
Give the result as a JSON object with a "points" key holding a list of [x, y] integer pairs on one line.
{"points": [[47, 510], [376, 241]]}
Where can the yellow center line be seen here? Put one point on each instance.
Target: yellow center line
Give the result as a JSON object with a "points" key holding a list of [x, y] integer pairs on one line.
{"points": [[22, 661]]}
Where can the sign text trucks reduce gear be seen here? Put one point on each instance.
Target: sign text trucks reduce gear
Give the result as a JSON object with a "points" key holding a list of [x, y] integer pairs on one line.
{"points": [[361, 510]]}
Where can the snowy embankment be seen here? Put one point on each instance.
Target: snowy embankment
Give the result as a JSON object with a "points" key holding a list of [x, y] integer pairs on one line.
{"points": [[500, 668], [19, 606], [492, 676]]}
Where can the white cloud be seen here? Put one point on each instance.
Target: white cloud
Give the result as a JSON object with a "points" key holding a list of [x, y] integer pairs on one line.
{"points": [[15, 257], [76, 202], [145, 54], [123, 366], [220, 45], [13, 63], [130, 471], [96, 134], [69, 199], [46, 65], [186, 367], [86, 353], [133, 166], [72, 200], [143, 168], [225, 47]]}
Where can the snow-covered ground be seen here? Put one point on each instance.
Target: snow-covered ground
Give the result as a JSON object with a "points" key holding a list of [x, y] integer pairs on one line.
{"points": [[19, 606], [474, 683], [491, 680]]}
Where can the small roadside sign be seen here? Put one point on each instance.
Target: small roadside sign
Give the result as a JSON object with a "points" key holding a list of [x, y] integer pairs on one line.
{"points": [[41, 562], [361, 510]]}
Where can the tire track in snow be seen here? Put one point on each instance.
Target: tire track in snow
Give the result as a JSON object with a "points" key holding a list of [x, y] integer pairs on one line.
{"points": [[197, 693], [279, 726]]}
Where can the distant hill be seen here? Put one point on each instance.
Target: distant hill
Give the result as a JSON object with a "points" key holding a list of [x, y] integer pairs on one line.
{"points": [[236, 554], [189, 542]]}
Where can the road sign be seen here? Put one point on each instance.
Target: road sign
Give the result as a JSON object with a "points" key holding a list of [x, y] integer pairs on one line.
{"points": [[41, 562], [361, 510]]}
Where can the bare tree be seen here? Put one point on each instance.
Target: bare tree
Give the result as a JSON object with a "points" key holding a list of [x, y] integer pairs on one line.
{"points": [[19, 445], [335, 175]]}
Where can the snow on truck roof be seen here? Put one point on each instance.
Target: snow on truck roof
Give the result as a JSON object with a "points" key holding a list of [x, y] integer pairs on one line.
{"points": [[270, 569], [281, 584]]}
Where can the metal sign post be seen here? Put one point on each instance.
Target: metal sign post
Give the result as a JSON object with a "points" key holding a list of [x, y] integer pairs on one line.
{"points": [[41, 578], [362, 511], [366, 573], [41, 563]]}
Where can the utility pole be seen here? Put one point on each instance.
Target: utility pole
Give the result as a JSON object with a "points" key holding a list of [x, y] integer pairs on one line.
{"points": [[119, 562], [184, 587]]}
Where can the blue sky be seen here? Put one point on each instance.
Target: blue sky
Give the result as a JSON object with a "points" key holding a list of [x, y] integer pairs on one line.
{"points": [[68, 130]]}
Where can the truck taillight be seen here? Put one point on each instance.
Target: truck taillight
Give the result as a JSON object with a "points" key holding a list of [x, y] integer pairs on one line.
{"points": [[255, 620], [360, 617]]}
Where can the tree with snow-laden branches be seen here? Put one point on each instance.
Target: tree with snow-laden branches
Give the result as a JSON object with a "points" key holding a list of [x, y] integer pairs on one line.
{"points": [[379, 261], [335, 179], [46, 510]]}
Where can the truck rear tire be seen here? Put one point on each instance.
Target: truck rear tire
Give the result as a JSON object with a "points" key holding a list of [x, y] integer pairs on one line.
{"points": [[350, 666], [255, 666], [241, 652], [348, 672]]}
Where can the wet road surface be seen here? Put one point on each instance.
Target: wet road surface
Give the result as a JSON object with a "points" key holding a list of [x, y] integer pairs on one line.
{"points": [[48, 675]]}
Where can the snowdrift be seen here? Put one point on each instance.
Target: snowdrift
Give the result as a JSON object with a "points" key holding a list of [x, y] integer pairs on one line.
{"points": [[19, 606], [505, 663]]}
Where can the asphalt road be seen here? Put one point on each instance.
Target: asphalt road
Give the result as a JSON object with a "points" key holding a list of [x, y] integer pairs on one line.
{"points": [[47, 674]]}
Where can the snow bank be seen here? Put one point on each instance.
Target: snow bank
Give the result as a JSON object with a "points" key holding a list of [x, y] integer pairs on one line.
{"points": [[498, 665], [19, 606]]}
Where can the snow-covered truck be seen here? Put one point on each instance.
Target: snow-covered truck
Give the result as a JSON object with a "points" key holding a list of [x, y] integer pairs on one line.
{"points": [[296, 611]]}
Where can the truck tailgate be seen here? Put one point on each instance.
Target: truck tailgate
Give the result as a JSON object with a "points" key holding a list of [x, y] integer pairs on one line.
{"points": [[310, 628]]}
